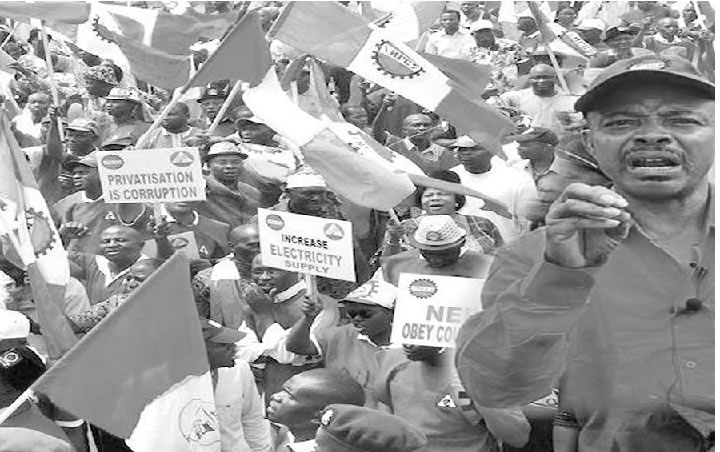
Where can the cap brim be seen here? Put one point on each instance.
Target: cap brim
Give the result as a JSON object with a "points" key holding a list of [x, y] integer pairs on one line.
{"points": [[422, 246], [80, 129], [70, 165], [585, 102], [242, 155]]}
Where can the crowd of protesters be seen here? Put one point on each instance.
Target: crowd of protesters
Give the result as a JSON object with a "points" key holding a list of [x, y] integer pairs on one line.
{"points": [[596, 332]]}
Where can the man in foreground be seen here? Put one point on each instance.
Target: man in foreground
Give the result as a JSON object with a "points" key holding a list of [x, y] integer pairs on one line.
{"points": [[616, 293]]}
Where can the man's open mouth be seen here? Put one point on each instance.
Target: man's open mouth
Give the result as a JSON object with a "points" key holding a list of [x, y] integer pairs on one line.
{"points": [[655, 162]]}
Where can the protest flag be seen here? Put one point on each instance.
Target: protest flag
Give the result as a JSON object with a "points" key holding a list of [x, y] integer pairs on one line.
{"points": [[30, 240], [149, 64], [142, 373], [355, 177], [331, 32], [64, 12], [409, 21]]}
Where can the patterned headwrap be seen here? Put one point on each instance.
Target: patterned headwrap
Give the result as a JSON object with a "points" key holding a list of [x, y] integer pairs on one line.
{"points": [[102, 73]]}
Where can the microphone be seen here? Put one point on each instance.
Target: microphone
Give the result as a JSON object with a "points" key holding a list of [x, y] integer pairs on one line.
{"points": [[692, 305]]}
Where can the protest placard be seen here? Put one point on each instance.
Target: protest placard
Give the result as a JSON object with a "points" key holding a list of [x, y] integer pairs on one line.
{"points": [[151, 175], [305, 244], [431, 309]]}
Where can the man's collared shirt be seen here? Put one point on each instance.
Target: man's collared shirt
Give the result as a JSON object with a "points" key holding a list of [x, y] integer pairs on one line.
{"points": [[637, 371], [457, 45]]}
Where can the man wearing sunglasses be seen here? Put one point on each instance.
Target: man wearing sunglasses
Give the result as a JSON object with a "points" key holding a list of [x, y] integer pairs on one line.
{"points": [[358, 347]]}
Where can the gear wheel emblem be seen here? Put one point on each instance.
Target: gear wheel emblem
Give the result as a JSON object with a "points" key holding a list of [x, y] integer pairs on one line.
{"points": [[41, 231], [394, 62]]}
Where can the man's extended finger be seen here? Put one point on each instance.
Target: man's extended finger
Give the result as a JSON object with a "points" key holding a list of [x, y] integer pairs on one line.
{"points": [[578, 208], [593, 193]]}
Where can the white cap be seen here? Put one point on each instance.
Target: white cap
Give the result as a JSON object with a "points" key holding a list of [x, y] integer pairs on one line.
{"points": [[481, 24], [437, 232], [376, 291], [13, 325], [304, 180]]}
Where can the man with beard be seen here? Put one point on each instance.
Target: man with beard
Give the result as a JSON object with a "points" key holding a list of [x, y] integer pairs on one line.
{"points": [[230, 198], [425, 390], [296, 407], [359, 347], [541, 101], [615, 296]]}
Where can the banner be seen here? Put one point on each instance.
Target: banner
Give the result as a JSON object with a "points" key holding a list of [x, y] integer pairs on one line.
{"points": [[430, 309], [151, 175], [305, 244]]}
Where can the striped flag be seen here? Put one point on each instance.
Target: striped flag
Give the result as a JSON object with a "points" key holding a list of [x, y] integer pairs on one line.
{"points": [[142, 373], [329, 31], [558, 38], [364, 181], [29, 239]]}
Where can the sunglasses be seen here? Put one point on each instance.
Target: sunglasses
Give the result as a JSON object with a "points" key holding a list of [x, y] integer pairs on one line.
{"points": [[364, 314]]}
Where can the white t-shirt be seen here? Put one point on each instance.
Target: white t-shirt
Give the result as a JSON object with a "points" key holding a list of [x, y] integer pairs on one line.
{"points": [[512, 187], [543, 110], [456, 45]]}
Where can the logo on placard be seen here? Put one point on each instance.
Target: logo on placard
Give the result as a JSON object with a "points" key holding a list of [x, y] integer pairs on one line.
{"points": [[275, 222], [422, 288], [181, 158], [112, 162], [333, 231], [395, 62], [179, 242], [198, 423]]}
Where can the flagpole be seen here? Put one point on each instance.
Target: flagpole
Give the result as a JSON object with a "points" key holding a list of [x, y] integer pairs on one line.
{"points": [[190, 83], [541, 22], [53, 87], [225, 107], [17, 403], [9, 36]]}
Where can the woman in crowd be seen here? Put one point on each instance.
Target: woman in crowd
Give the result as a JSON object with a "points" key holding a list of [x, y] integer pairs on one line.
{"points": [[483, 235]]}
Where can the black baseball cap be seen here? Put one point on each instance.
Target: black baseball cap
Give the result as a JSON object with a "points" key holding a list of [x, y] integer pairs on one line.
{"points": [[668, 68]]}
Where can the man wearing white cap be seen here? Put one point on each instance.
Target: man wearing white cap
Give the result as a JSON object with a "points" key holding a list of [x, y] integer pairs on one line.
{"points": [[229, 199], [590, 31], [27, 429], [500, 53], [488, 174], [357, 347], [438, 250]]}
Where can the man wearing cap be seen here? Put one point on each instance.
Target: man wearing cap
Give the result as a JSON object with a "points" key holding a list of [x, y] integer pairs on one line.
{"points": [[211, 100], [616, 293], [438, 250], [500, 53], [621, 42], [124, 105], [480, 170], [536, 146], [348, 428], [541, 101], [590, 30], [27, 429], [450, 41], [243, 426], [82, 137], [230, 198], [359, 347], [174, 130]]}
